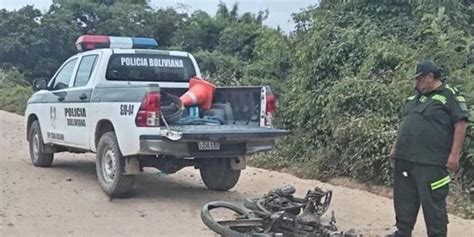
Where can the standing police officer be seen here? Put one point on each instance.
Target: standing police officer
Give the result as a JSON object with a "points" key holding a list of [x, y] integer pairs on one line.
{"points": [[429, 142]]}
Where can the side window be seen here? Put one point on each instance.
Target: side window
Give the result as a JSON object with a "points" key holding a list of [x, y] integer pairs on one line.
{"points": [[64, 76], [85, 70]]}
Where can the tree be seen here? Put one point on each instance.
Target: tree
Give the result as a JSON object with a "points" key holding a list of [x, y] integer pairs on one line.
{"points": [[199, 32], [20, 45]]}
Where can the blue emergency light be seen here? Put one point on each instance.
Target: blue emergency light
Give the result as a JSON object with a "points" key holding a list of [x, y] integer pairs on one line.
{"points": [[89, 42]]}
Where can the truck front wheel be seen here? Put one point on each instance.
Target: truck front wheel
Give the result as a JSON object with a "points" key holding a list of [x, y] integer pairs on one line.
{"points": [[38, 157], [110, 167], [217, 175]]}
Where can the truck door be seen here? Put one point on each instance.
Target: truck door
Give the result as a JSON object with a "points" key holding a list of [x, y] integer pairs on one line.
{"points": [[77, 103], [54, 126]]}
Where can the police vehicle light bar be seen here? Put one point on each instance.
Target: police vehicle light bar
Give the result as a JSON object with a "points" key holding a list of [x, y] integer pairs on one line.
{"points": [[89, 42]]}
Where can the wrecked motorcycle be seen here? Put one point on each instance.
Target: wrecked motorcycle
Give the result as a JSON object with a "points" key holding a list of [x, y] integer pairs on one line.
{"points": [[278, 213]]}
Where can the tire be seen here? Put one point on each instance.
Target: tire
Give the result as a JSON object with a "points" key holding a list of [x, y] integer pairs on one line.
{"points": [[38, 157], [212, 224], [110, 167], [217, 174]]}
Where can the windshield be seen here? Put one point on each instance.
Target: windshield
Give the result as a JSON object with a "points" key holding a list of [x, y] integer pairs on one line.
{"points": [[150, 67]]}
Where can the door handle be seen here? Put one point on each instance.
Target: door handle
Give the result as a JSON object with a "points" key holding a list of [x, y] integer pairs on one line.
{"points": [[61, 98], [83, 97]]}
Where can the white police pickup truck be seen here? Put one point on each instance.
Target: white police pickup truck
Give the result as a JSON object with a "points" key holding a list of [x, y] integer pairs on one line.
{"points": [[106, 100]]}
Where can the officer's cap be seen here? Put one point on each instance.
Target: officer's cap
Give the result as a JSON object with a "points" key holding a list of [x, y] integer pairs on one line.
{"points": [[425, 67]]}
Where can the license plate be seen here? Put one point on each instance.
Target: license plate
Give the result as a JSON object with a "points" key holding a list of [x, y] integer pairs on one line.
{"points": [[209, 146]]}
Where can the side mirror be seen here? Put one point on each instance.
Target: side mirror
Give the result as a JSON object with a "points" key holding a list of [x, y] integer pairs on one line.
{"points": [[40, 84]]}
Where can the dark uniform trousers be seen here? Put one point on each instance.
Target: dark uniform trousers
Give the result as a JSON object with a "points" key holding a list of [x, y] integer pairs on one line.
{"points": [[416, 184]]}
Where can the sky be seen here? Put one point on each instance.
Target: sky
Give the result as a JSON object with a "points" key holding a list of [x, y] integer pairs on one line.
{"points": [[280, 10]]}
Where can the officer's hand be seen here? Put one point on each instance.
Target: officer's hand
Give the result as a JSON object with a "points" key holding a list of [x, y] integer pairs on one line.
{"points": [[453, 163]]}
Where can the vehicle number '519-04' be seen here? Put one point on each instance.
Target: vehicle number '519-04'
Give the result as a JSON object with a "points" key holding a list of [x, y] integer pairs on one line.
{"points": [[126, 109]]}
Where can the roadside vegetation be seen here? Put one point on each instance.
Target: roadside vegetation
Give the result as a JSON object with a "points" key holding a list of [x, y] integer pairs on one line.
{"points": [[14, 91], [341, 76]]}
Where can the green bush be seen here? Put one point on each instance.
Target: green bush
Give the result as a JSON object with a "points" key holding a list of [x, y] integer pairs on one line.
{"points": [[220, 68], [14, 91], [350, 78], [13, 99]]}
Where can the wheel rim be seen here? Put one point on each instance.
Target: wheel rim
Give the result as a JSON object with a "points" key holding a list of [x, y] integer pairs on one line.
{"points": [[35, 146], [108, 166]]}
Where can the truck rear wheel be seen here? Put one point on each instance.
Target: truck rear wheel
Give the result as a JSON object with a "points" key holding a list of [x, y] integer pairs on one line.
{"points": [[110, 167], [38, 157], [217, 174]]}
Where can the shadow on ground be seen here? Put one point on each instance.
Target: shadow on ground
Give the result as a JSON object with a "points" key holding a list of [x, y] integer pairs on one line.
{"points": [[183, 187]]}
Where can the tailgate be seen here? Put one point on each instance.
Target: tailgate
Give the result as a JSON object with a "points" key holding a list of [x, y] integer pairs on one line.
{"points": [[221, 133]]}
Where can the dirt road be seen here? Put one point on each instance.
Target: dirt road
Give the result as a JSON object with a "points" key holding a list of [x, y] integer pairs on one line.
{"points": [[65, 200]]}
